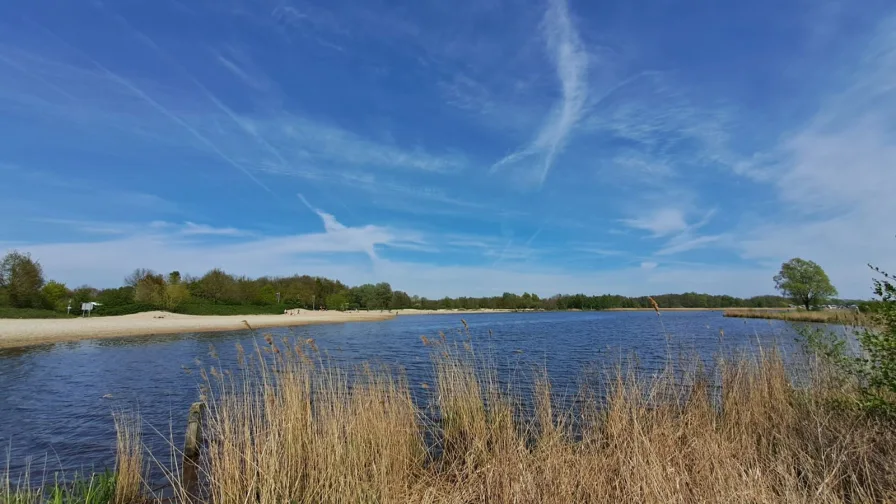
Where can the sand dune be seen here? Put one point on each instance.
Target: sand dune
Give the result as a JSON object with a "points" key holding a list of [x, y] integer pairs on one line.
{"points": [[26, 332]]}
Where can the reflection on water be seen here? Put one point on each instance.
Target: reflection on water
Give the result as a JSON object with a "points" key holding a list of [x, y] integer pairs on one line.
{"points": [[57, 400]]}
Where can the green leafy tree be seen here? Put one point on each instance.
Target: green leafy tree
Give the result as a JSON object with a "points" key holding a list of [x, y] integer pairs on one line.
{"points": [[400, 300], [266, 295], [176, 294], [218, 286], [22, 279], [804, 282], [383, 295], [55, 295], [116, 297], [364, 296], [337, 301], [151, 289], [83, 294]]}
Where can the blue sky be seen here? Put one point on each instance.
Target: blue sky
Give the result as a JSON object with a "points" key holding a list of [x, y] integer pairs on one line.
{"points": [[465, 147]]}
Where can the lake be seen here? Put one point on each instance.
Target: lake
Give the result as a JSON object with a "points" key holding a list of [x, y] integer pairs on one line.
{"points": [[56, 401]]}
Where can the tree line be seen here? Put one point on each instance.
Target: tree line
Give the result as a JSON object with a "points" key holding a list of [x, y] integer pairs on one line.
{"points": [[22, 285]]}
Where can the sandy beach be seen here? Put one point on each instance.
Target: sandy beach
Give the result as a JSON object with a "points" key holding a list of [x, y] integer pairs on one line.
{"points": [[27, 332]]}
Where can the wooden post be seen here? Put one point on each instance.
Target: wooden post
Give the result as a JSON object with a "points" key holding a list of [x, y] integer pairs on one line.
{"points": [[192, 450]]}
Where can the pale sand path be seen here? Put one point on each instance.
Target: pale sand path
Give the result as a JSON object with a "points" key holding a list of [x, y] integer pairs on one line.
{"points": [[27, 332]]}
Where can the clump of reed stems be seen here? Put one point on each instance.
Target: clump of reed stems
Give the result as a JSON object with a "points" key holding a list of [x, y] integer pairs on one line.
{"points": [[291, 426], [295, 428], [844, 317], [129, 458]]}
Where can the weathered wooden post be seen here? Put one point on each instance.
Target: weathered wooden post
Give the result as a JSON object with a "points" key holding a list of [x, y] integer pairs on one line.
{"points": [[192, 450]]}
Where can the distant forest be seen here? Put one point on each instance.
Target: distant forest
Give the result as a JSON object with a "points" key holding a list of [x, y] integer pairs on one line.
{"points": [[22, 285]]}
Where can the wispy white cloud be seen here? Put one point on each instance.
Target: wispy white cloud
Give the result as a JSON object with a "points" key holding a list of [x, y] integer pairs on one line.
{"points": [[282, 143], [193, 229], [648, 265], [599, 251], [250, 80], [680, 235], [571, 60], [86, 226], [662, 222], [685, 243], [197, 247]]}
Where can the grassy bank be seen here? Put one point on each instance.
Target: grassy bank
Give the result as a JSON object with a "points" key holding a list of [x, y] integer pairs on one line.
{"points": [[30, 313], [846, 317], [287, 427]]}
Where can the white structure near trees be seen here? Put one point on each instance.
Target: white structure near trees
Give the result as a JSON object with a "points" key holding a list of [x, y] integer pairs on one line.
{"points": [[86, 308]]}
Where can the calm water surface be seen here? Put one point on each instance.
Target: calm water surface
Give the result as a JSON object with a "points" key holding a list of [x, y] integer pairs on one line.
{"points": [[56, 401]]}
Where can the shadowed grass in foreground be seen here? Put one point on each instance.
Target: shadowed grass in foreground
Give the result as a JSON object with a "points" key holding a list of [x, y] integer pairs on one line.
{"points": [[845, 317], [288, 427]]}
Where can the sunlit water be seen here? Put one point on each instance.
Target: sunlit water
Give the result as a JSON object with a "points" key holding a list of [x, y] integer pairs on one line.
{"points": [[56, 401]]}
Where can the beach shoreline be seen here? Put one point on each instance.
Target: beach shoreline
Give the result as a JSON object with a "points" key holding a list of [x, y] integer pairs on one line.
{"points": [[18, 333]]}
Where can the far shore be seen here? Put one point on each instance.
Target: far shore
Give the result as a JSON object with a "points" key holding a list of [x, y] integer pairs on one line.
{"points": [[17, 333]]}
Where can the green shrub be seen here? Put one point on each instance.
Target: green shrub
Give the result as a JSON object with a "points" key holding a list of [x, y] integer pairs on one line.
{"points": [[879, 345], [127, 309], [229, 309], [873, 370]]}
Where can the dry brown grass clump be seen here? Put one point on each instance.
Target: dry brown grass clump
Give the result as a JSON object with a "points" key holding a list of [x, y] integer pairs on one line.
{"points": [[291, 428], [845, 317], [129, 468]]}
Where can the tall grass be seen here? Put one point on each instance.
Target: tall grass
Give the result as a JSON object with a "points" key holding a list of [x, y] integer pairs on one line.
{"points": [[129, 469], [845, 317], [292, 428], [287, 425]]}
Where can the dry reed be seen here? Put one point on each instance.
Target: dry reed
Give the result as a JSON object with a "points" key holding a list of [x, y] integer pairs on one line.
{"points": [[291, 427], [845, 317], [129, 458], [296, 429]]}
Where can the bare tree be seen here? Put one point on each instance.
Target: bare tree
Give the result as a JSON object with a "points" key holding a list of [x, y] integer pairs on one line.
{"points": [[138, 274]]}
